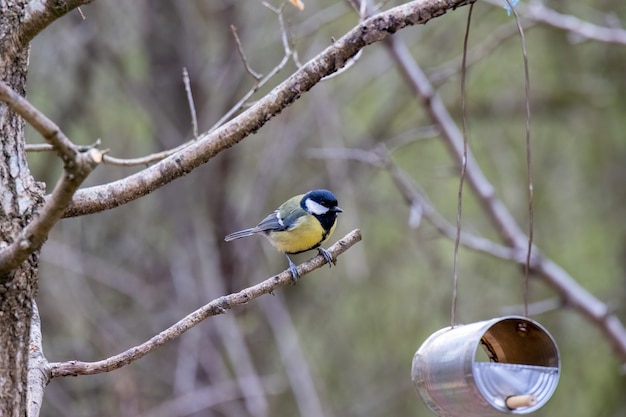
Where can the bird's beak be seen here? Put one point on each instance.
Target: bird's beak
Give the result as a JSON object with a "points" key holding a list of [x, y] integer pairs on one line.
{"points": [[337, 209]]}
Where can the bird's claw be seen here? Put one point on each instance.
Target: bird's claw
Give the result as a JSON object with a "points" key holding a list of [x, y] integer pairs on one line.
{"points": [[294, 271], [329, 258]]}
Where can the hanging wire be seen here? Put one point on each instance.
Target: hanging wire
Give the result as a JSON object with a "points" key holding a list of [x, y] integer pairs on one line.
{"points": [[531, 211], [459, 208], [531, 199]]}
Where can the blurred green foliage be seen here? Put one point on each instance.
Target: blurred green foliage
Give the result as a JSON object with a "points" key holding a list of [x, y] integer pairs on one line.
{"points": [[111, 280]]}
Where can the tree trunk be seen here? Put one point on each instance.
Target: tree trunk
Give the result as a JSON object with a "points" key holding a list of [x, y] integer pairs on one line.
{"points": [[20, 197]]}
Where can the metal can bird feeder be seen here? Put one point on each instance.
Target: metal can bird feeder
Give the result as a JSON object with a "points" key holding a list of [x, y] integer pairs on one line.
{"points": [[518, 373]]}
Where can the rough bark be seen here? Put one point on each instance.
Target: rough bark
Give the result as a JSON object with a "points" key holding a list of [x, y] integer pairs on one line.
{"points": [[20, 196]]}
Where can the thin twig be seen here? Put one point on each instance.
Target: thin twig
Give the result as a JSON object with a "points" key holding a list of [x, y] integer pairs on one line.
{"points": [[215, 307], [64, 148], [260, 83], [192, 106], [38, 147], [46, 147], [285, 33], [361, 7], [111, 160], [536, 11], [242, 55], [40, 16], [143, 160]]}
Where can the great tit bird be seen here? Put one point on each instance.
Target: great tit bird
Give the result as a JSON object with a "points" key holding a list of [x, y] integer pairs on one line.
{"points": [[300, 224]]}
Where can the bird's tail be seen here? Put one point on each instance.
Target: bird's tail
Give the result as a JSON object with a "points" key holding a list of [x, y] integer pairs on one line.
{"points": [[239, 234]]}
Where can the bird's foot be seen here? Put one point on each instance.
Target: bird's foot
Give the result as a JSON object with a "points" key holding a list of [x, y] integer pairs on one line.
{"points": [[329, 258], [294, 271]]}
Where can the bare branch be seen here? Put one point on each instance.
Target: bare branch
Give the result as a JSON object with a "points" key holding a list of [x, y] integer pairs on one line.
{"points": [[375, 29], [50, 131], [38, 16], [537, 12], [242, 54], [453, 139], [111, 160], [77, 166], [142, 160], [215, 307], [289, 53], [417, 200], [192, 106], [573, 294], [46, 147], [38, 147]]}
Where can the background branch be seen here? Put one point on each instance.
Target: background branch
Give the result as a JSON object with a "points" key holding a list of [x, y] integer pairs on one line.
{"points": [[215, 307], [536, 11], [573, 294], [417, 200], [38, 16]]}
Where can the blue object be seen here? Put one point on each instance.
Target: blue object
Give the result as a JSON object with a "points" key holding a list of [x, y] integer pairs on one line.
{"points": [[509, 6]]}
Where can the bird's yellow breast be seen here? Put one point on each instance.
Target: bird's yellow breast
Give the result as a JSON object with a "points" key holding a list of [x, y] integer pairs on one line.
{"points": [[307, 234]]}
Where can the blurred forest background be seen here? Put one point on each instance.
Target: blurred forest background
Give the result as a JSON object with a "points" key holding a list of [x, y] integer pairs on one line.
{"points": [[340, 342]]}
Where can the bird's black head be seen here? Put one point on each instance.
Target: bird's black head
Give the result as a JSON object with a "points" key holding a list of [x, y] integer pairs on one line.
{"points": [[323, 205]]}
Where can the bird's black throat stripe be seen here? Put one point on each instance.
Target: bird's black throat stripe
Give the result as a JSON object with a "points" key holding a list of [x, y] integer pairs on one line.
{"points": [[327, 221]]}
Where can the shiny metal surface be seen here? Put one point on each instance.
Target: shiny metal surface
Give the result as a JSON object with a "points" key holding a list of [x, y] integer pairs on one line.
{"points": [[520, 358]]}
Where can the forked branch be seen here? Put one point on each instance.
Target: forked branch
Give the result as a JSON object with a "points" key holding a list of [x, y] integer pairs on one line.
{"points": [[77, 163]]}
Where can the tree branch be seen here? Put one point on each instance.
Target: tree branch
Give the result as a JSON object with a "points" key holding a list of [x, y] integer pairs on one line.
{"points": [[215, 307], [418, 202], [64, 148], [535, 11], [35, 17], [77, 166], [375, 29], [261, 80], [40, 14]]}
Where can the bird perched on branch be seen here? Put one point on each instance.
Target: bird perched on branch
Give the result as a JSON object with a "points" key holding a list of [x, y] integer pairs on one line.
{"points": [[300, 224]]}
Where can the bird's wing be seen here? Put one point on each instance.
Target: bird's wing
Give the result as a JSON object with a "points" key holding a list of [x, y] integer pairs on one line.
{"points": [[291, 218], [272, 223]]}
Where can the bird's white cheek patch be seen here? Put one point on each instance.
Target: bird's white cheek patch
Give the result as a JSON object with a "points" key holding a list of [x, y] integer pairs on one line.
{"points": [[315, 208]]}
